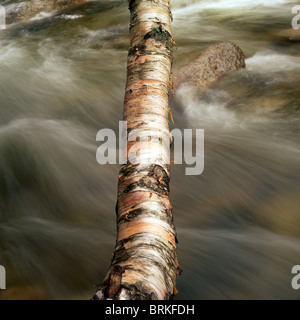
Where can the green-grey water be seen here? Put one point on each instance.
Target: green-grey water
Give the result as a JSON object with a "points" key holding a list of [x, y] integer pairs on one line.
{"points": [[62, 79]]}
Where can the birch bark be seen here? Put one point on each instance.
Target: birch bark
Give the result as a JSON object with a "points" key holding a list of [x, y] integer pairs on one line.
{"points": [[144, 264]]}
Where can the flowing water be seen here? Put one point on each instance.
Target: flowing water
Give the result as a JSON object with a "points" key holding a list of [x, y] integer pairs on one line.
{"points": [[62, 79]]}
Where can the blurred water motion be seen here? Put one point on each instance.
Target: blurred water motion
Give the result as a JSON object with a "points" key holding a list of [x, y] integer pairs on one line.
{"points": [[62, 79]]}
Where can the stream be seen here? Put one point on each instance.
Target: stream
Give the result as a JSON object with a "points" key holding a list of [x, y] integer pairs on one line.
{"points": [[62, 78]]}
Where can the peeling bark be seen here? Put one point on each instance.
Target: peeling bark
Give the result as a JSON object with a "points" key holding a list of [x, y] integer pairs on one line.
{"points": [[144, 264]]}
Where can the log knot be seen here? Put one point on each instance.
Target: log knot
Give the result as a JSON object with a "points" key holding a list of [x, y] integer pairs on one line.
{"points": [[159, 34], [114, 281]]}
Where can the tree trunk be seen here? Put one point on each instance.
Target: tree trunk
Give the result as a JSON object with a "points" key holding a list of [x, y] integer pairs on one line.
{"points": [[144, 264]]}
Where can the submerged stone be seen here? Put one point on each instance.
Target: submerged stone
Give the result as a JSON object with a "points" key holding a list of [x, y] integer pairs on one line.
{"points": [[214, 62], [24, 11]]}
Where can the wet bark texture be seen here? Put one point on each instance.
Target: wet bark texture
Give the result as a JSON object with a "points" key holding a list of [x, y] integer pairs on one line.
{"points": [[144, 264]]}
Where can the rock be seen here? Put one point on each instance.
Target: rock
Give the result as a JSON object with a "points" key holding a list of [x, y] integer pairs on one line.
{"points": [[24, 293], [286, 39], [214, 62], [13, 10], [24, 11], [289, 35], [280, 214]]}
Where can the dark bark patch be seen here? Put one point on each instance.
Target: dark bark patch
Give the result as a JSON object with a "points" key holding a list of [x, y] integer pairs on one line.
{"points": [[179, 271], [131, 215], [117, 207], [158, 34], [160, 187], [131, 4], [127, 170], [122, 255], [114, 281], [140, 50]]}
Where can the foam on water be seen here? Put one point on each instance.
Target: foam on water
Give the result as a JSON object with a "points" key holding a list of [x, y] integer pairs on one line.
{"points": [[271, 62], [71, 17], [212, 110], [41, 15], [10, 53], [194, 6], [60, 82]]}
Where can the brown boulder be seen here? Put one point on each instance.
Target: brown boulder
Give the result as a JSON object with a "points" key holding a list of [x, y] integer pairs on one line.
{"points": [[214, 62]]}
